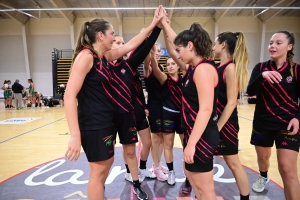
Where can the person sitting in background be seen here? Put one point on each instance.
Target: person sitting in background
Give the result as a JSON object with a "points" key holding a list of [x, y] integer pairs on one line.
{"points": [[39, 98], [24, 96]]}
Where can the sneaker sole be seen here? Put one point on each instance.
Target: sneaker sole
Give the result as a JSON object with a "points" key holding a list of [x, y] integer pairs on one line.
{"points": [[171, 183], [137, 196], [255, 190], [184, 192]]}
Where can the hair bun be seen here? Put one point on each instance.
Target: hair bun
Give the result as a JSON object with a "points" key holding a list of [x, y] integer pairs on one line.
{"points": [[237, 34]]}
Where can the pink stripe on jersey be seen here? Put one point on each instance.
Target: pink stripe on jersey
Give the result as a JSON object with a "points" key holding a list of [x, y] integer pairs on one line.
{"points": [[184, 117], [188, 105], [139, 101], [271, 111], [232, 127], [130, 68], [276, 102], [235, 136], [123, 84], [228, 138], [120, 94]]}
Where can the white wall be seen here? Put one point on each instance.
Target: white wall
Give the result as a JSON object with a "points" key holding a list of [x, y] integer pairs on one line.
{"points": [[45, 34]]}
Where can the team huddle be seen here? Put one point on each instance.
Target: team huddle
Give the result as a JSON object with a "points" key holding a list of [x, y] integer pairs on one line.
{"points": [[104, 98]]}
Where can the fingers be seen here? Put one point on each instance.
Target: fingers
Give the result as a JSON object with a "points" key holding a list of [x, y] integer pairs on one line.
{"points": [[72, 155]]}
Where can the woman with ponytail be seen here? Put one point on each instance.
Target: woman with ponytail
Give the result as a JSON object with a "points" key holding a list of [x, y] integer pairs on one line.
{"points": [[88, 101], [276, 85], [233, 77], [198, 114]]}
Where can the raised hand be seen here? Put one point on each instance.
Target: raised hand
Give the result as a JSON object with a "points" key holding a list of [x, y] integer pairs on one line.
{"points": [[158, 15]]}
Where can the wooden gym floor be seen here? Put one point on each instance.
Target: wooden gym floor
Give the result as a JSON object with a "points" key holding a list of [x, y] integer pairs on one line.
{"points": [[24, 146]]}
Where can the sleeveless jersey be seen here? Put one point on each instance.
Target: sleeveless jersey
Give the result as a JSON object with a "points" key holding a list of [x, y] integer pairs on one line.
{"points": [[95, 107], [232, 123], [190, 102], [172, 93], [138, 97], [277, 103], [153, 88]]}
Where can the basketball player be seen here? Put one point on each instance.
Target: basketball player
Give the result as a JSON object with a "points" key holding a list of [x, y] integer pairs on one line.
{"points": [[31, 91]]}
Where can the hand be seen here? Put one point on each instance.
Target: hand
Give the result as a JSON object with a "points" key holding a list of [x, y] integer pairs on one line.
{"points": [[295, 124], [147, 112], [158, 15], [272, 76], [74, 148], [188, 154]]}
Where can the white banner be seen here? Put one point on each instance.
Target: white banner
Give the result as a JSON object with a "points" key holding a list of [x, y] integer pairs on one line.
{"points": [[19, 120], [1, 94]]}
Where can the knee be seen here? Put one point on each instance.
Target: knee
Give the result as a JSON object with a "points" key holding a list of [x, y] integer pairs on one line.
{"points": [[263, 158], [287, 172], [130, 153], [156, 139], [168, 146], [233, 164], [147, 144]]}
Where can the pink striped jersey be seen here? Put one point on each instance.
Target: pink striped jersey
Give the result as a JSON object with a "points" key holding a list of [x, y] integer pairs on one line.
{"points": [[276, 103], [231, 127], [172, 93], [190, 102], [95, 106]]}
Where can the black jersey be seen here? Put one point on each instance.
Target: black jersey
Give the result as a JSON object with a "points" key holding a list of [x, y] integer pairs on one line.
{"points": [[190, 102], [222, 91], [172, 93], [138, 97], [123, 72], [231, 127], [153, 88], [277, 103], [95, 107]]}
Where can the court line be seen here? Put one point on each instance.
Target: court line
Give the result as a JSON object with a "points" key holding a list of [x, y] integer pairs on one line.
{"points": [[31, 130], [245, 118]]}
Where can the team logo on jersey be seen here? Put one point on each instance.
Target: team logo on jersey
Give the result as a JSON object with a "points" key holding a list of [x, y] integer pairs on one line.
{"points": [[123, 71], [289, 79], [215, 118], [186, 83]]}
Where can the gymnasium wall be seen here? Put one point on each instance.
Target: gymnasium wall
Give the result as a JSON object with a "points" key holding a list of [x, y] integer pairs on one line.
{"points": [[45, 34]]}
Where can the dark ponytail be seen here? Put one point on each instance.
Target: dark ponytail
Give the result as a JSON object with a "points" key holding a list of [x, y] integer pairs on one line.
{"points": [[199, 37], [87, 35], [290, 53]]}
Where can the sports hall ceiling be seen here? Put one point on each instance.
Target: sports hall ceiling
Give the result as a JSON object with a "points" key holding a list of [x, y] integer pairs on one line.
{"points": [[71, 14]]}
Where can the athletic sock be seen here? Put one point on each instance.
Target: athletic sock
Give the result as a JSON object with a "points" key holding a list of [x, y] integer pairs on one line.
{"points": [[264, 174], [244, 197], [127, 168], [136, 184], [143, 164], [170, 166]]}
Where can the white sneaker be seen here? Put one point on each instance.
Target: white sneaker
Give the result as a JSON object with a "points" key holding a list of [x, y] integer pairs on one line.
{"points": [[143, 173], [164, 169], [128, 177], [260, 183], [171, 178], [160, 175]]}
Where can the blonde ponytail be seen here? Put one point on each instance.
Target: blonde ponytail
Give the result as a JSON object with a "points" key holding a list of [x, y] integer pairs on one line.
{"points": [[241, 59]]}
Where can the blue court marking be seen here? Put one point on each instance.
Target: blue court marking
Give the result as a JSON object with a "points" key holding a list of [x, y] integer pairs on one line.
{"points": [[31, 130], [245, 118]]}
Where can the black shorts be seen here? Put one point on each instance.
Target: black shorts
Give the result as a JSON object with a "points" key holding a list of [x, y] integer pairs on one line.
{"points": [[265, 138], [154, 117], [142, 124], [205, 149], [171, 122], [98, 144], [229, 142], [126, 127]]}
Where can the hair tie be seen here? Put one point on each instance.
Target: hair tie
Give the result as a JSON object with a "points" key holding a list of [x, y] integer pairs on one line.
{"points": [[87, 23], [237, 34]]}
